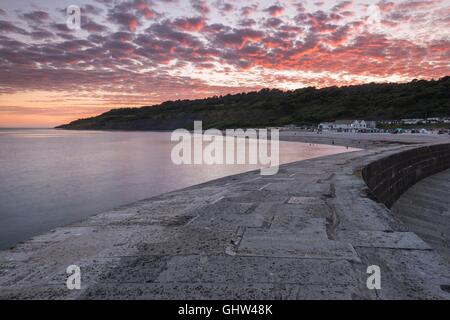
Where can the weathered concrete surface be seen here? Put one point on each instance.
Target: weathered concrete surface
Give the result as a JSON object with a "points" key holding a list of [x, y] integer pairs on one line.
{"points": [[425, 208], [310, 232]]}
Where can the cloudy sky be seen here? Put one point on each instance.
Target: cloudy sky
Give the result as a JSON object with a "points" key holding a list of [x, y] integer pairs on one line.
{"points": [[142, 52]]}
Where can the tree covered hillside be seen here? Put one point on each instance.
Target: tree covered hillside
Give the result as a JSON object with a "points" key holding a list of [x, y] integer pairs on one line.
{"points": [[273, 107]]}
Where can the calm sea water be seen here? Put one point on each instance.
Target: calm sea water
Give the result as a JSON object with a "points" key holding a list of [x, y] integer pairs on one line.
{"points": [[50, 178]]}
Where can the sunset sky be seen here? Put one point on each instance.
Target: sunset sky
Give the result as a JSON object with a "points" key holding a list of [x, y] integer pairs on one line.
{"points": [[142, 52]]}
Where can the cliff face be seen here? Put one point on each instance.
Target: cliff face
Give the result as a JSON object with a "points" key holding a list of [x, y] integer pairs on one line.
{"points": [[416, 99]]}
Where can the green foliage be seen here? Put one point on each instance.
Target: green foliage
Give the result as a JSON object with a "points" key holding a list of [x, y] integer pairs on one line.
{"points": [[273, 107]]}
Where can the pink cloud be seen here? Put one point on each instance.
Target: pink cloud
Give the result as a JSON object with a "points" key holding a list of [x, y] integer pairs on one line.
{"points": [[385, 6], [201, 6], [342, 6], [238, 38], [143, 7], [125, 20], [275, 10], [36, 16], [248, 10], [417, 4], [190, 24]]}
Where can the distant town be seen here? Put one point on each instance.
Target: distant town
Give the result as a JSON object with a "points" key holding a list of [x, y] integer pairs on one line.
{"points": [[433, 125]]}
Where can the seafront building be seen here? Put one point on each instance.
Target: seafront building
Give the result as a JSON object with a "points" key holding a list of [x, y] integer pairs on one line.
{"points": [[348, 126], [434, 120]]}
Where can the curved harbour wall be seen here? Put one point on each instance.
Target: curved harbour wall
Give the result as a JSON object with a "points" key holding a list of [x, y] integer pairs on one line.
{"points": [[309, 232], [388, 178]]}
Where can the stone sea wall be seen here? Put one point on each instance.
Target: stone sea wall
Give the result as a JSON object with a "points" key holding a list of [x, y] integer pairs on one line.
{"points": [[388, 178]]}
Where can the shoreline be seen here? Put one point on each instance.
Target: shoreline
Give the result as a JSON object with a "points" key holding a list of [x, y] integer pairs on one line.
{"points": [[371, 140]]}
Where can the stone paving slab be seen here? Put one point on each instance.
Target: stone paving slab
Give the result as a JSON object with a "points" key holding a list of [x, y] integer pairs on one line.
{"points": [[107, 218], [360, 214], [383, 239], [303, 187], [293, 224], [22, 252], [258, 196], [238, 269], [226, 215], [289, 245], [62, 234], [314, 228], [303, 200], [319, 209]]}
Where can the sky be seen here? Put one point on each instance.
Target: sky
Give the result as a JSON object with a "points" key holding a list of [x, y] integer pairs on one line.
{"points": [[142, 52]]}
